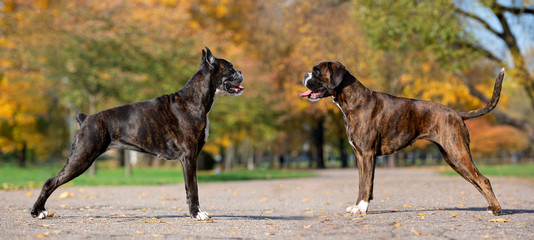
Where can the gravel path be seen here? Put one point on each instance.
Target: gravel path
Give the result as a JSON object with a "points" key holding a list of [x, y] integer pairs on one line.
{"points": [[408, 204]]}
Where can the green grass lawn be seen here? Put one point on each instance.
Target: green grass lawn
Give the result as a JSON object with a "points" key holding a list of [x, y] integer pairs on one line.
{"points": [[23, 178], [516, 170]]}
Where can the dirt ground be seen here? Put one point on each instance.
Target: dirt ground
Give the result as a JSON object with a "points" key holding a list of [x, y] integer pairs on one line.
{"points": [[408, 204]]}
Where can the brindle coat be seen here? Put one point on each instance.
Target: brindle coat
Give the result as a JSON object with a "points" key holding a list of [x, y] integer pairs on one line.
{"points": [[172, 127], [381, 124]]}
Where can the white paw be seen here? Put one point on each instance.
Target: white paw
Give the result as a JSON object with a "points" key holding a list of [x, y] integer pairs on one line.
{"points": [[361, 208], [201, 216], [43, 215]]}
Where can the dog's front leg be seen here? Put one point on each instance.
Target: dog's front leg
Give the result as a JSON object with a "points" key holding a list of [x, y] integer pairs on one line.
{"points": [[366, 173], [189, 166]]}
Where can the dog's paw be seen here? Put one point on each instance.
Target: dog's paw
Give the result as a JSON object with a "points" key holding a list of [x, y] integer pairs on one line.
{"points": [[201, 216], [42, 214], [361, 208], [494, 211]]}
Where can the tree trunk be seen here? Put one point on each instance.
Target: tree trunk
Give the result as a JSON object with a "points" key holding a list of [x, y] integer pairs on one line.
{"points": [[92, 110], [343, 153], [22, 159], [318, 142], [229, 158]]}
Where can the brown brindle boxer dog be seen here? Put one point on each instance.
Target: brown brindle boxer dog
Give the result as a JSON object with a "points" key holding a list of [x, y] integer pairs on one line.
{"points": [[380, 124], [171, 127]]}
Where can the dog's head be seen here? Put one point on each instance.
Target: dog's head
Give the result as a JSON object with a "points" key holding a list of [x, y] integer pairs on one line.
{"points": [[323, 80], [222, 73]]}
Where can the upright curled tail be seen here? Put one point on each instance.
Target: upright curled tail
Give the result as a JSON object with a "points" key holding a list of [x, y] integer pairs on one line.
{"points": [[491, 104]]}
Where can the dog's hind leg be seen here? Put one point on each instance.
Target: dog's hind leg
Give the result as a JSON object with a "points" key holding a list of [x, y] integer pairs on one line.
{"points": [[366, 174], [86, 147], [458, 156]]}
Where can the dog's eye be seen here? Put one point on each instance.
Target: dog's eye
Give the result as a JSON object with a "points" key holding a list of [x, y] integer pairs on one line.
{"points": [[316, 73]]}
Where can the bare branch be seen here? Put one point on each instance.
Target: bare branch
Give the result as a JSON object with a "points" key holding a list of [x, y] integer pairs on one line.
{"points": [[516, 11], [479, 49], [478, 19]]}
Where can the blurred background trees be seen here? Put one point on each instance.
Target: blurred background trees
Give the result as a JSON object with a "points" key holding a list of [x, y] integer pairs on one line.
{"points": [[59, 58]]}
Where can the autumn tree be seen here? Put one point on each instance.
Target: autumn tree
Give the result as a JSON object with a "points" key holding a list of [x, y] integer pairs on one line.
{"points": [[454, 35]]}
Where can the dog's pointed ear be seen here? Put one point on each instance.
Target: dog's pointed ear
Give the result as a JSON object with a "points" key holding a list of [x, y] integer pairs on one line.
{"points": [[337, 73], [208, 60]]}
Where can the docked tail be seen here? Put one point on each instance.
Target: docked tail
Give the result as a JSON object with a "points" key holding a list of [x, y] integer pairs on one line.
{"points": [[80, 118], [492, 103]]}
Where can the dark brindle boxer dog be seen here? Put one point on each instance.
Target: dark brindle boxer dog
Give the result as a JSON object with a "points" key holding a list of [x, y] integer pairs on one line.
{"points": [[171, 127], [380, 124]]}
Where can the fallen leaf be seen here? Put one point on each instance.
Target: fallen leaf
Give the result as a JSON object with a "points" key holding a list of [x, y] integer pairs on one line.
{"points": [[268, 219], [51, 214], [233, 232], [264, 200], [407, 206], [398, 224], [269, 211], [269, 234], [359, 218], [307, 226], [305, 200], [236, 193], [66, 195], [139, 232], [334, 227], [423, 217], [28, 194], [420, 214], [168, 199], [39, 235], [416, 233], [501, 220]]}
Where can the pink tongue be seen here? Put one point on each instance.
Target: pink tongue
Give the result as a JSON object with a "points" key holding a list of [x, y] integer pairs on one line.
{"points": [[305, 94]]}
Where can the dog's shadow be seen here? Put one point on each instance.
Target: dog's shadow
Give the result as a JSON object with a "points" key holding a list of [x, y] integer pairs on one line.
{"points": [[229, 217], [504, 212]]}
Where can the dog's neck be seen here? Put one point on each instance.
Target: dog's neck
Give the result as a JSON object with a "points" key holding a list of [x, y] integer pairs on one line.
{"points": [[350, 90], [198, 93]]}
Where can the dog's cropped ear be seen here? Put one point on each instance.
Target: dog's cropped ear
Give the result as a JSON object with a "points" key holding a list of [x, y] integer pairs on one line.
{"points": [[208, 60], [337, 72]]}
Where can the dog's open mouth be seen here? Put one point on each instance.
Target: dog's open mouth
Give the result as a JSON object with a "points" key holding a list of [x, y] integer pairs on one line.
{"points": [[235, 89], [311, 94]]}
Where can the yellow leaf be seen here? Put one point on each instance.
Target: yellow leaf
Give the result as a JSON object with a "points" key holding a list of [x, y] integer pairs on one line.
{"points": [[423, 217], [51, 214], [139, 232], [66, 195], [501, 220], [407, 206], [398, 224], [416, 233], [307, 226], [28, 194], [233, 232]]}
